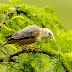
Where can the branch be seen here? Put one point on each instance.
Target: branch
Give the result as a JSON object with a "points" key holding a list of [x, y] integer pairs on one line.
{"points": [[24, 12], [65, 68], [11, 59], [33, 51], [28, 51], [11, 12], [7, 13]]}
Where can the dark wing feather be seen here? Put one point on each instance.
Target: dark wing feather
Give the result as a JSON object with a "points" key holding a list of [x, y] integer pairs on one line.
{"points": [[24, 33], [9, 36]]}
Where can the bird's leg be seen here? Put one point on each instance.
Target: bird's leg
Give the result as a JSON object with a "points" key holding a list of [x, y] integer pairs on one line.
{"points": [[26, 46], [33, 47], [29, 47], [23, 47]]}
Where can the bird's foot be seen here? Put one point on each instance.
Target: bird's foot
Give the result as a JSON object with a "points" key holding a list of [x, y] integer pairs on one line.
{"points": [[33, 47], [23, 47], [26, 47]]}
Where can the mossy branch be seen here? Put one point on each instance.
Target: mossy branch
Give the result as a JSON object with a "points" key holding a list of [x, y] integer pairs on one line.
{"points": [[23, 12], [28, 51], [7, 13], [11, 12], [34, 51]]}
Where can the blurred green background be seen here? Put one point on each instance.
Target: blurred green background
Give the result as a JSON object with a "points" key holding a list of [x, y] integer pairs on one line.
{"points": [[63, 9]]}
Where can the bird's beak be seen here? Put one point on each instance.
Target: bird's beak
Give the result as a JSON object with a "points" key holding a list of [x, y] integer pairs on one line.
{"points": [[54, 39]]}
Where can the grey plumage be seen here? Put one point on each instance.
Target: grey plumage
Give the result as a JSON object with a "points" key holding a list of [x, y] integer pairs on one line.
{"points": [[29, 35], [26, 32]]}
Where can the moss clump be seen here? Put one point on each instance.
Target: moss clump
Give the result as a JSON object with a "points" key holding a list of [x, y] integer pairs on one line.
{"points": [[42, 17]]}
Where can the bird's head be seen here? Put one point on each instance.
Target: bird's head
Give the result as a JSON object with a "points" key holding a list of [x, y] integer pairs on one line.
{"points": [[48, 33]]}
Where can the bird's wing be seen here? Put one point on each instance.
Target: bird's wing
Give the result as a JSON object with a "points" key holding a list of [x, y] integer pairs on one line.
{"points": [[28, 32]]}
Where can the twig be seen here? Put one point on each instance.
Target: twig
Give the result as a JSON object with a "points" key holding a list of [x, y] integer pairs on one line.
{"points": [[13, 10], [3, 52], [24, 12], [65, 68], [7, 13], [11, 59], [18, 12], [42, 25]]}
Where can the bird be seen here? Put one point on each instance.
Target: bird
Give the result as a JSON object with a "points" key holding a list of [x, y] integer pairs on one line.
{"points": [[29, 35]]}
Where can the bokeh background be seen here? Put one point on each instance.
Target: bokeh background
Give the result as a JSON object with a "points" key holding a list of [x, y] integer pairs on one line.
{"points": [[63, 9]]}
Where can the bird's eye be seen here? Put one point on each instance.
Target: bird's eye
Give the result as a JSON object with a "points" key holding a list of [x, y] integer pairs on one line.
{"points": [[49, 33]]}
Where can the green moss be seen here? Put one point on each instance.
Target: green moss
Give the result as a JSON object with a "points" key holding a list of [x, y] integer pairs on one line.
{"points": [[34, 61]]}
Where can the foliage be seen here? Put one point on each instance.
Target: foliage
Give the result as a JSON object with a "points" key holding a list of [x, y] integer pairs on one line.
{"points": [[35, 62]]}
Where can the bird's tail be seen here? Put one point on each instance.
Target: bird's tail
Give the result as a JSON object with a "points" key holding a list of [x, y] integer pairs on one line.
{"points": [[3, 44]]}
